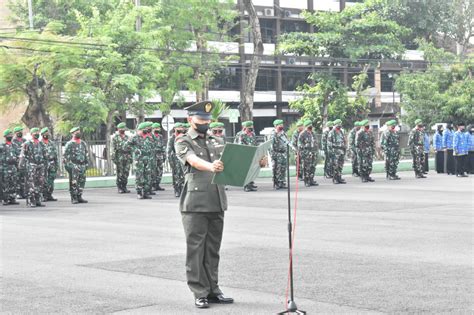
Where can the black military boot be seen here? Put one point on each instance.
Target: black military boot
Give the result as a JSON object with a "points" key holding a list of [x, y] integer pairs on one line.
{"points": [[370, 179], [125, 190], [39, 204], [152, 193], [80, 200], [30, 203], [313, 183], [335, 181], [252, 184], [140, 196], [159, 188], [363, 179], [341, 180], [147, 196], [51, 198], [120, 190], [5, 202], [74, 200]]}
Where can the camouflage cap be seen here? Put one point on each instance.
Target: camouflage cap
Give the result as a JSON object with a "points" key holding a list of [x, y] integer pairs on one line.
{"points": [[277, 122], [74, 129], [7, 132], [17, 129], [155, 125], [122, 125], [308, 122], [247, 123], [44, 130]]}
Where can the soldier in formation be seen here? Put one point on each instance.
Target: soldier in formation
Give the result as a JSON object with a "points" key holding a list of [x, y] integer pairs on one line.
{"points": [[76, 160], [416, 144], [278, 154], [160, 157], [328, 173], [336, 147], [247, 137], [353, 151], [365, 146], [8, 169], [51, 164], [122, 157], [308, 148], [294, 142], [390, 144], [176, 169], [18, 141]]}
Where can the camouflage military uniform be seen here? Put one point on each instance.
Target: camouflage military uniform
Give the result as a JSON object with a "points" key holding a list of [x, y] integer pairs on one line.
{"points": [[390, 144], [365, 145], [21, 181], [247, 139], [415, 142], [122, 157], [9, 172], [33, 159], [142, 148], [294, 143], [51, 168], [308, 148], [352, 146], [279, 158], [160, 156], [176, 167], [76, 160], [336, 144], [328, 172]]}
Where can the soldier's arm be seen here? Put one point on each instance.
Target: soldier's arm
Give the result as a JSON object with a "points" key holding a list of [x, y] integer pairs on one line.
{"points": [[185, 154], [22, 161]]}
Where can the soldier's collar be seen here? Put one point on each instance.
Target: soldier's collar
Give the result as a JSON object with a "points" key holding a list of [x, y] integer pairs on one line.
{"points": [[193, 133]]}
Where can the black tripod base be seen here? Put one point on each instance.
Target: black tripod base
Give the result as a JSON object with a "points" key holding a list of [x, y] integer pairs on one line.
{"points": [[292, 308]]}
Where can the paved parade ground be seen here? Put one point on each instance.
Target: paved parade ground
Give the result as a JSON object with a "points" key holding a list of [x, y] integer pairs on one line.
{"points": [[385, 247]]}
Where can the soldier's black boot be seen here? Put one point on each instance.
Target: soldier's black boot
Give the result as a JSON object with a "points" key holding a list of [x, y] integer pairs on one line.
{"points": [[30, 203], [74, 200], [152, 193], [159, 188], [5, 202], [147, 196], [313, 183], [51, 198], [39, 204], [363, 179], [120, 190], [14, 202], [370, 179], [140, 196], [252, 184], [125, 190], [80, 200], [341, 180], [335, 181]]}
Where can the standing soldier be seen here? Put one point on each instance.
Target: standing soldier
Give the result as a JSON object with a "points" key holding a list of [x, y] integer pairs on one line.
{"points": [[336, 143], [33, 159], [247, 137], [160, 156], [122, 157], [460, 147], [448, 136], [51, 165], [426, 150], [327, 158], [279, 154], [8, 169], [217, 130], [294, 143], [438, 147], [415, 142], [76, 160], [308, 148], [176, 168], [391, 147], [365, 145], [18, 141], [142, 153], [353, 151]]}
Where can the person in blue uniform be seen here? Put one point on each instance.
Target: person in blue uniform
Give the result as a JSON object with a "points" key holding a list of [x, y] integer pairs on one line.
{"points": [[438, 147], [448, 149], [460, 150]]}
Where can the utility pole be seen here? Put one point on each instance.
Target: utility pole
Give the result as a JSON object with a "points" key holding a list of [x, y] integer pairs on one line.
{"points": [[30, 13], [342, 5], [138, 27]]}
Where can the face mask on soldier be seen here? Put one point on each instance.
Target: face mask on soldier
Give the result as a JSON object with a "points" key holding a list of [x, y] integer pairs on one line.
{"points": [[36, 136], [45, 137], [19, 134], [9, 138]]}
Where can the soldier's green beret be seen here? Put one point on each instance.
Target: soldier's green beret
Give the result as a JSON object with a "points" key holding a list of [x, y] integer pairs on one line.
{"points": [[391, 122], [357, 124], [202, 109], [307, 122], [178, 125], [214, 124], [277, 122], [299, 123], [34, 129], [17, 129], [186, 125], [337, 122], [220, 125], [156, 125], [122, 125], [44, 130], [7, 132], [329, 124], [364, 122], [418, 122], [141, 126], [74, 129], [148, 124], [247, 123]]}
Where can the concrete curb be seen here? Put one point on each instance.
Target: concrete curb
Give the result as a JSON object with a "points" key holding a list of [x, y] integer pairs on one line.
{"points": [[109, 181]]}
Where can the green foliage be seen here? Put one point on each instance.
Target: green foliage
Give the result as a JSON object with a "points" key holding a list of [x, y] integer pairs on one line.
{"points": [[219, 108], [444, 93]]}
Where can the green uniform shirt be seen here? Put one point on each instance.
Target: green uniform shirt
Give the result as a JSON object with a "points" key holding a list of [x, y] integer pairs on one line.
{"points": [[199, 194]]}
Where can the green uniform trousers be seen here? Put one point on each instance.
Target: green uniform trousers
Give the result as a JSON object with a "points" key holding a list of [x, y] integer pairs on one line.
{"points": [[203, 231]]}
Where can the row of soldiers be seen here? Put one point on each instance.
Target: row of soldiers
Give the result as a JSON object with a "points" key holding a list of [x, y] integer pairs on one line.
{"points": [[29, 167]]}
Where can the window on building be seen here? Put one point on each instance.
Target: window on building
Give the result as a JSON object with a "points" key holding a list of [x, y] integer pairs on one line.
{"points": [[294, 26], [292, 78], [268, 28], [388, 80], [228, 79], [266, 80]]}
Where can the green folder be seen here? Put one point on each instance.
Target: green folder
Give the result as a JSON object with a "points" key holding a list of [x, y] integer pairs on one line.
{"points": [[241, 164]]}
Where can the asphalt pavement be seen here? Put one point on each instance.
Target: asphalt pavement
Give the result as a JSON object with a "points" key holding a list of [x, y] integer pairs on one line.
{"points": [[384, 247]]}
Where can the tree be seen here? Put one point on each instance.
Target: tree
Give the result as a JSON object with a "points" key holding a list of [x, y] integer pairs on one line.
{"points": [[246, 106], [443, 93], [359, 34]]}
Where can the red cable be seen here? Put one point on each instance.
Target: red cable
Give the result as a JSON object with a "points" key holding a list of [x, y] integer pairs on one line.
{"points": [[293, 228]]}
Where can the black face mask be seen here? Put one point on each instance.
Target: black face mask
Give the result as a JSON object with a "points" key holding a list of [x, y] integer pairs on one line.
{"points": [[9, 138], [36, 136], [19, 134], [77, 136], [250, 129], [45, 137], [179, 131], [156, 132], [202, 128], [145, 132]]}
